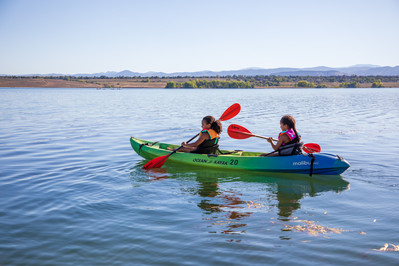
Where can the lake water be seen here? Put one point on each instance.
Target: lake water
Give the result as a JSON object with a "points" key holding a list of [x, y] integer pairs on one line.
{"points": [[72, 190]]}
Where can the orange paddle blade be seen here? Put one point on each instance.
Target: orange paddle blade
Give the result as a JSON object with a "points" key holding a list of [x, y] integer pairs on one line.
{"points": [[238, 132], [231, 112], [156, 162], [311, 147]]}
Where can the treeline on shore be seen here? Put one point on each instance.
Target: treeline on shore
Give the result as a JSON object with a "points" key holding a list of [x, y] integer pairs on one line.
{"points": [[217, 84], [349, 84], [322, 81], [277, 81]]}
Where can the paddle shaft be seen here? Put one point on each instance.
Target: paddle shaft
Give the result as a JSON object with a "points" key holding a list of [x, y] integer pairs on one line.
{"points": [[253, 135], [175, 150], [233, 130]]}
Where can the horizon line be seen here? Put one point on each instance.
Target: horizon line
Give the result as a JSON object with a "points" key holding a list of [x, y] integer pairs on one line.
{"points": [[169, 73]]}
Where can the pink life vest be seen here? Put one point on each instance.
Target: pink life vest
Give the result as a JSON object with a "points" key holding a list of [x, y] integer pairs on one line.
{"points": [[290, 133]]}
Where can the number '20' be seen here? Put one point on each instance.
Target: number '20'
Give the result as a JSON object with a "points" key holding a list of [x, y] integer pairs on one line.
{"points": [[233, 162]]}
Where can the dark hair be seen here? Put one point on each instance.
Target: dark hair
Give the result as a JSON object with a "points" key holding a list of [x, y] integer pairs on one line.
{"points": [[290, 122], [215, 124]]}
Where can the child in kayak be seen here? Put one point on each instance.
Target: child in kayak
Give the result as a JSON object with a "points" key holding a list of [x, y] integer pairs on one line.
{"points": [[207, 142], [288, 139]]}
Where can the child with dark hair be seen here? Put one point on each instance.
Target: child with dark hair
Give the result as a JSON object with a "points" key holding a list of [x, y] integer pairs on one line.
{"points": [[207, 142], [287, 138]]}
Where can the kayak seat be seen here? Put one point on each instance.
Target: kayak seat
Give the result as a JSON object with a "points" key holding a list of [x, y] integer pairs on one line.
{"points": [[229, 152], [286, 150]]}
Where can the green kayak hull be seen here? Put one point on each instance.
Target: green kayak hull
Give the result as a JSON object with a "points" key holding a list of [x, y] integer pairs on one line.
{"points": [[323, 163]]}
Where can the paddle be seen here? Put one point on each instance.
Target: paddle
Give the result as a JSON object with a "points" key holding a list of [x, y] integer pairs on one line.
{"points": [[230, 112], [311, 147], [240, 132]]}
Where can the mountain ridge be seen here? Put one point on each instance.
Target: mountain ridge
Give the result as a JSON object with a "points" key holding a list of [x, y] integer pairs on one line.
{"points": [[359, 70]]}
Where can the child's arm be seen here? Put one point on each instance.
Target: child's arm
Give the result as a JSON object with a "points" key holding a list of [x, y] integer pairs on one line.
{"points": [[201, 139], [281, 140]]}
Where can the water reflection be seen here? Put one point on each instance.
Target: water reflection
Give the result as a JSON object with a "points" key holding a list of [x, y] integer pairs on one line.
{"points": [[287, 203], [282, 191], [227, 199], [224, 206]]}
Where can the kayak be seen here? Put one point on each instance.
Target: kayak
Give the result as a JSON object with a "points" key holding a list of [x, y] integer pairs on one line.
{"points": [[317, 163]]}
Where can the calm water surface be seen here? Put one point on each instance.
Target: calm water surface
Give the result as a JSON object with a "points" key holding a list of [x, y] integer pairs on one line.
{"points": [[73, 192]]}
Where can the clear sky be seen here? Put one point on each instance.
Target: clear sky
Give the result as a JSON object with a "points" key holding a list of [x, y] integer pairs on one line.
{"points": [[89, 36]]}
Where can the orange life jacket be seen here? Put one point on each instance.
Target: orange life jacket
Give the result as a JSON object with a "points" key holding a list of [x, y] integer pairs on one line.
{"points": [[212, 133], [209, 145]]}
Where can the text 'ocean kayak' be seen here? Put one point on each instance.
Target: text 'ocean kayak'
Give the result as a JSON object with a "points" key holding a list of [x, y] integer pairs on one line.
{"points": [[323, 163]]}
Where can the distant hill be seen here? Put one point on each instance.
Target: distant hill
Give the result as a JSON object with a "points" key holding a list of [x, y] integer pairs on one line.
{"points": [[359, 70]]}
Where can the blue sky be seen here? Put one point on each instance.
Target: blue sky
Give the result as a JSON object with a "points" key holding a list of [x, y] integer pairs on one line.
{"points": [[85, 36]]}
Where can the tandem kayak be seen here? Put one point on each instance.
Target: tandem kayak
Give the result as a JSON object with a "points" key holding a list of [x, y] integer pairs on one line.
{"points": [[323, 163]]}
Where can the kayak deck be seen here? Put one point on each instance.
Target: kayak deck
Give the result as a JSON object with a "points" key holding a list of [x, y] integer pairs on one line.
{"points": [[324, 163]]}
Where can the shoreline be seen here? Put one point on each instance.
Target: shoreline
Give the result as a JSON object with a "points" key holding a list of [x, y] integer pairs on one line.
{"points": [[155, 82]]}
